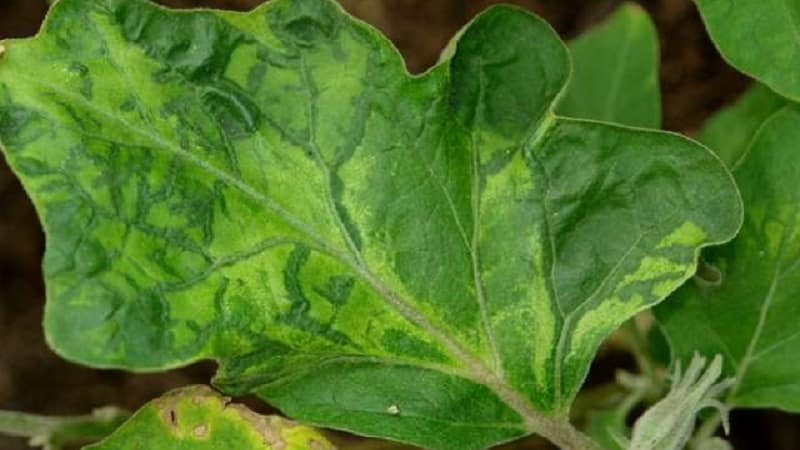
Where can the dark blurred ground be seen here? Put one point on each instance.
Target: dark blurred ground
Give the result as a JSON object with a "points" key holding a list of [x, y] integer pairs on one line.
{"points": [[695, 82]]}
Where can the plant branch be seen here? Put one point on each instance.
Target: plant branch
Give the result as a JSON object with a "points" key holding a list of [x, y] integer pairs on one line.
{"points": [[564, 435], [53, 433]]}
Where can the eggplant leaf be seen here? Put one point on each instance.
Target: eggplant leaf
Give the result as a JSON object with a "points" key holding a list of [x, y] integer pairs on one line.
{"points": [[615, 75], [608, 428], [197, 418], [730, 131], [759, 38], [750, 314], [433, 259]]}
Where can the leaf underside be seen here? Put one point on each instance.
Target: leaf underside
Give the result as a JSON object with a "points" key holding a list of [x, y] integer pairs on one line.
{"points": [[433, 259], [750, 317], [197, 418], [759, 38]]}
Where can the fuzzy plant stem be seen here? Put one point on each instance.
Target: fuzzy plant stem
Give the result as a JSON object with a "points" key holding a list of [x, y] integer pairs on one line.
{"points": [[567, 437]]}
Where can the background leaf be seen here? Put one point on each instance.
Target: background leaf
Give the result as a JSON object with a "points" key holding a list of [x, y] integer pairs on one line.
{"points": [[759, 38], [730, 131], [751, 316], [615, 71], [432, 259], [197, 418], [607, 427]]}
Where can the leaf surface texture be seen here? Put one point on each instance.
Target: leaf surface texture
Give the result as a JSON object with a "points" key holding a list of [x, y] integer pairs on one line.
{"points": [[730, 131], [197, 418], [758, 37], [433, 259], [750, 314], [615, 71]]}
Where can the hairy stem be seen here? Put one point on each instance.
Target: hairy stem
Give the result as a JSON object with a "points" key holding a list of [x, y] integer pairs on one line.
{"points": [[53, 433], [706, 430], [567, 437]]}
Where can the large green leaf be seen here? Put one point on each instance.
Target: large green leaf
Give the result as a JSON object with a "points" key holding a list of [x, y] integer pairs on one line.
{"points": [[730, 131], [433, 259], [758, 37], [615, 76], [751, 315], [197, 418]]}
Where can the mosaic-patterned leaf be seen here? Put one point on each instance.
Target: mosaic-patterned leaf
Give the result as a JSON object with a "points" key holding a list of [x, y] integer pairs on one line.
{"points": [[433, 259], [197, 418], [615, 74], [750, 314]]}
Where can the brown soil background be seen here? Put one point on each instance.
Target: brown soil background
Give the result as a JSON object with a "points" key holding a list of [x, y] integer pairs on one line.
{"points": [[695, 82]]}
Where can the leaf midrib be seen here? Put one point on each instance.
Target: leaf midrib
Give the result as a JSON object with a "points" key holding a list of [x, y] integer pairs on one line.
{"points": [[474, 248], [311, 116], [479, 373], [471, 247]]}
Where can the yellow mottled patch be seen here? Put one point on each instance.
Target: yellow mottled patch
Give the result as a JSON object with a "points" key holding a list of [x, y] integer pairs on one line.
{"points": [[513, 182], [545, 322], [664, 288], [687, 235], [184, 305], [607, 315], [489, 144], [773, 235], [651, 267], [360, 186], [243, 58]]}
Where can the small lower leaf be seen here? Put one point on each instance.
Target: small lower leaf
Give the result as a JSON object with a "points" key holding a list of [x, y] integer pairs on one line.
{"points": [[197, 418]]}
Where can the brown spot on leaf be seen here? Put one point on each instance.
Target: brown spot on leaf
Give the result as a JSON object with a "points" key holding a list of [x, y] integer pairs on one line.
{"points": [[269, 427], [201, 431], [168, 404], [2, 49]]}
